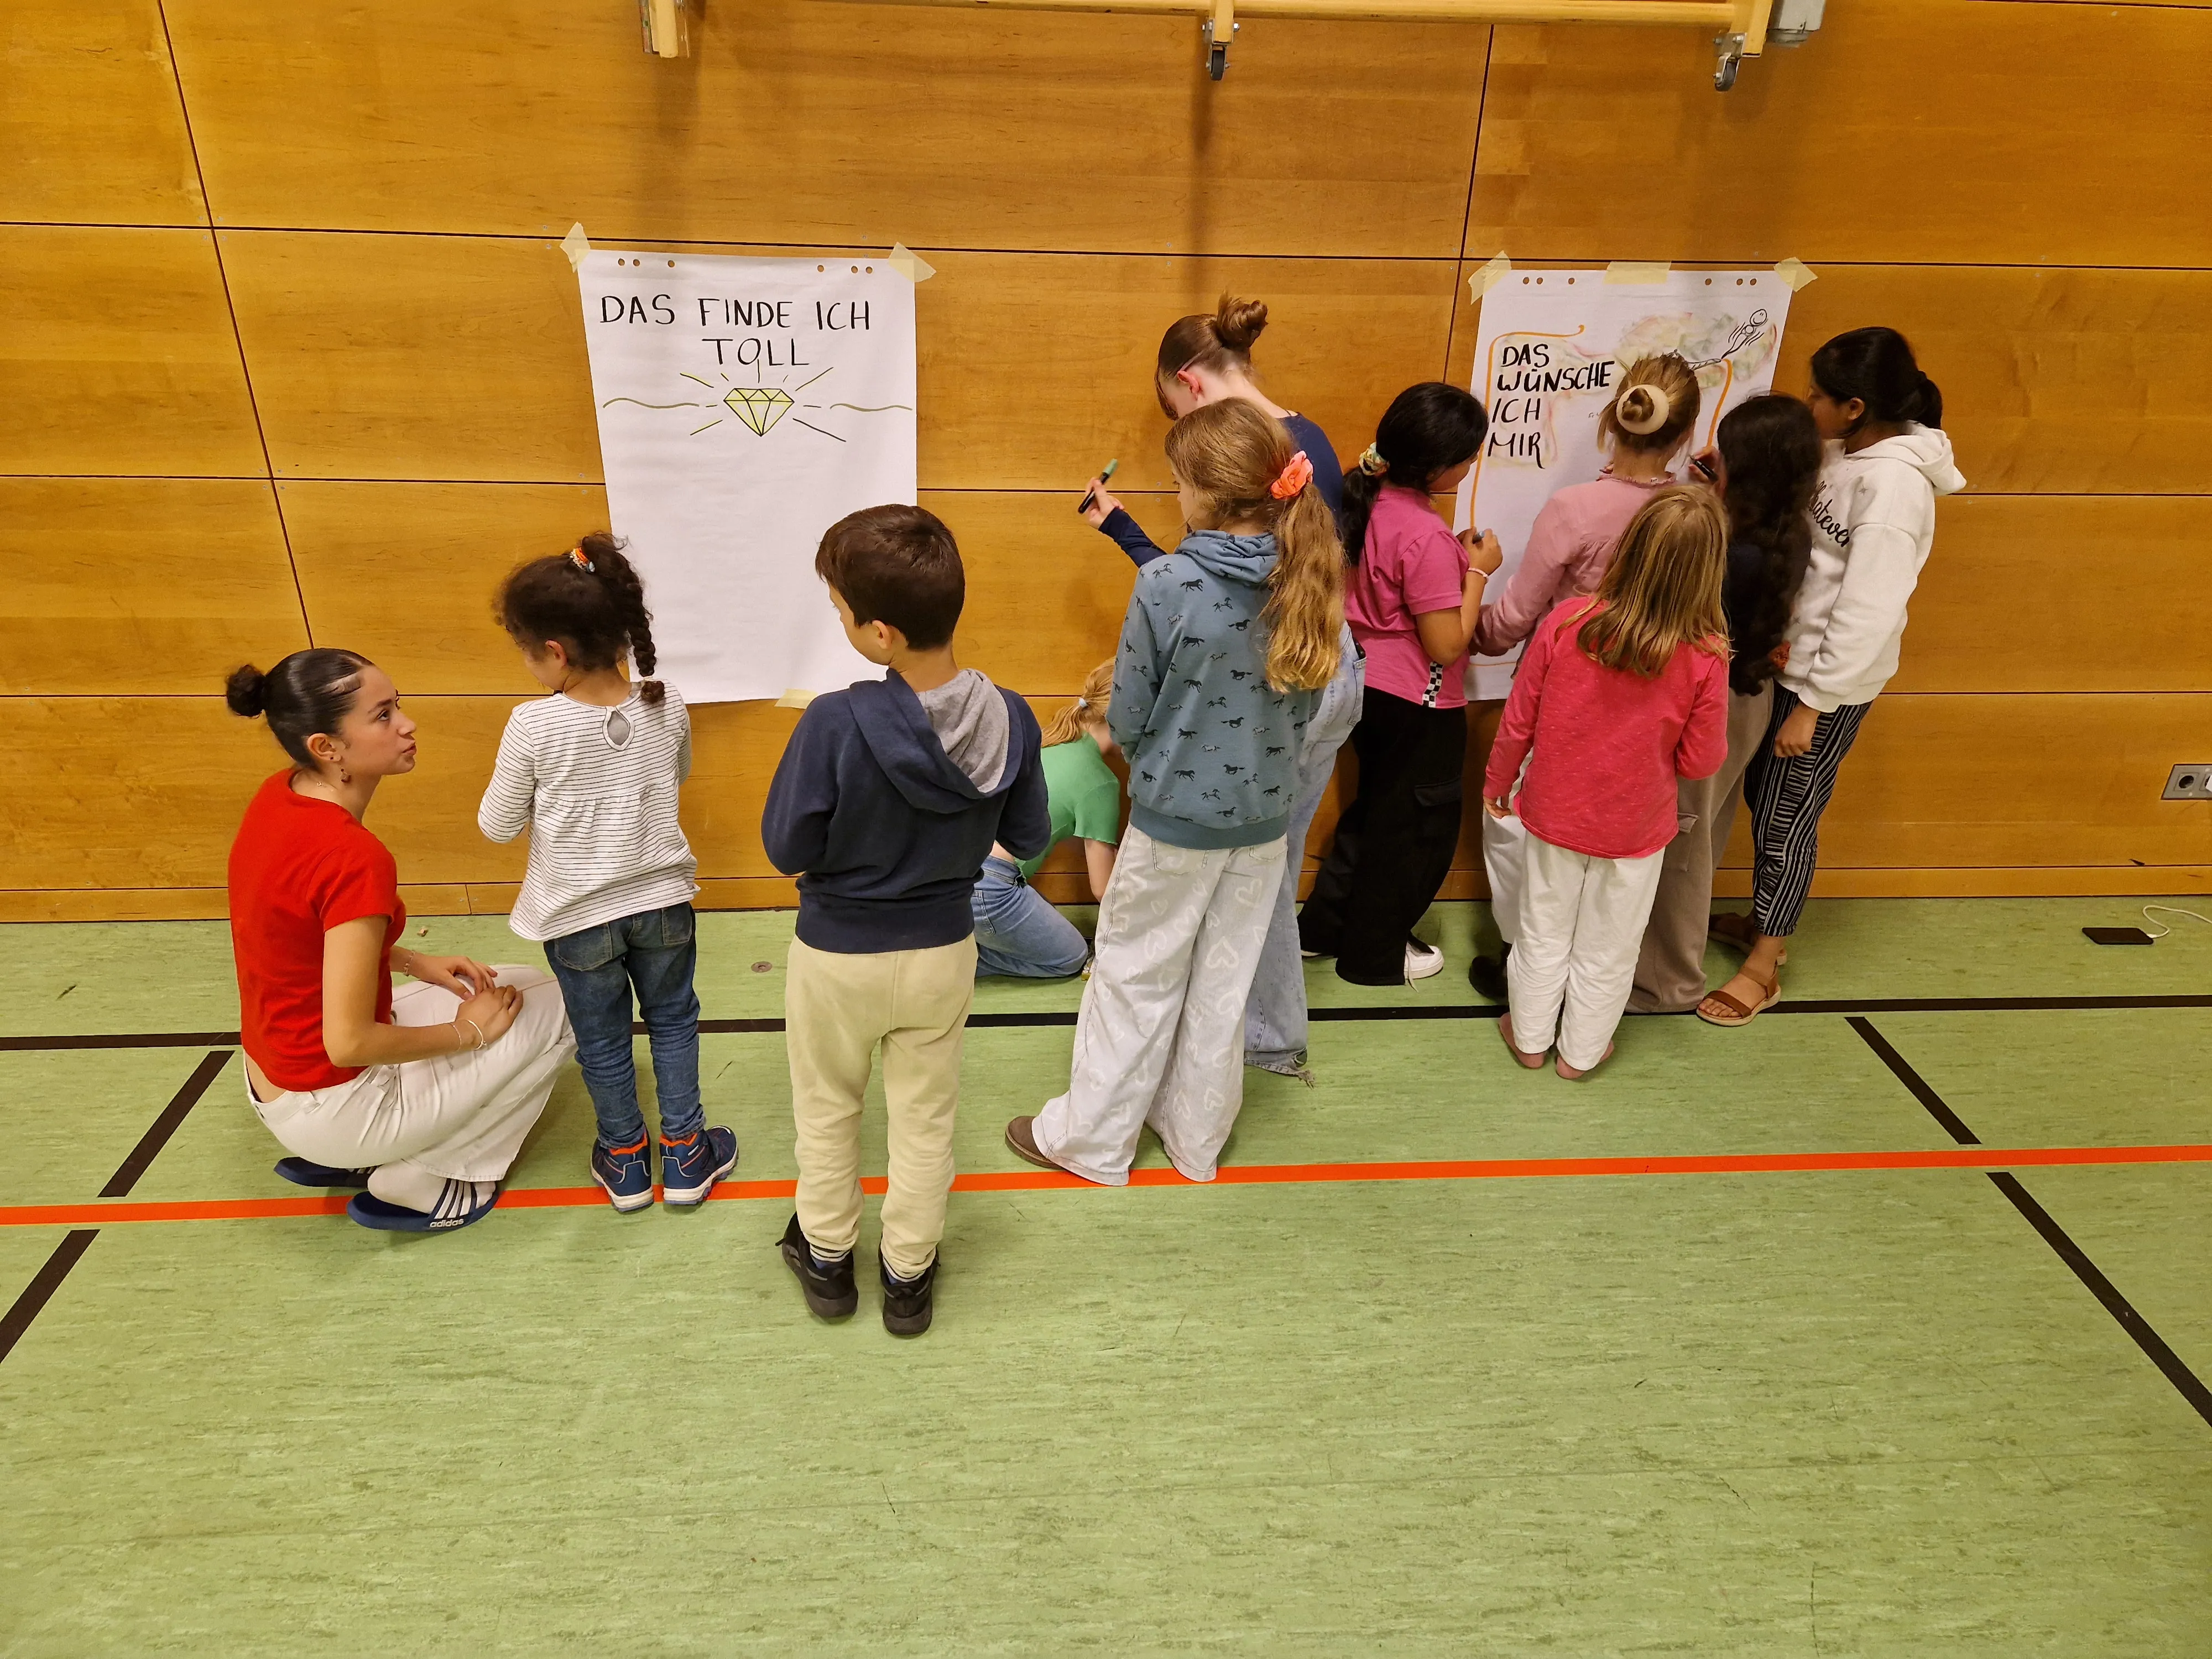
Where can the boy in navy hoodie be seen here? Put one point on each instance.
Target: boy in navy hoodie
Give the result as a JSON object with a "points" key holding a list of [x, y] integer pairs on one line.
{"points": [[885, 804]]}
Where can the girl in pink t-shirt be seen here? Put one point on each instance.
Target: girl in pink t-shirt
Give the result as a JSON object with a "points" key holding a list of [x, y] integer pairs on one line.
{"points": [[1412, 595], [1617, 697]]}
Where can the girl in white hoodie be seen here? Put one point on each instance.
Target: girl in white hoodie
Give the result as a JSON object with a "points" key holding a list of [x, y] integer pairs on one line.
{"points": [[1874, 518]]}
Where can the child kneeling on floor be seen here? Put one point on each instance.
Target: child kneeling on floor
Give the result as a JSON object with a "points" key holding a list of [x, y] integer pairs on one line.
{"points": [[1618, 696], [888, 796], [1225, 649]]}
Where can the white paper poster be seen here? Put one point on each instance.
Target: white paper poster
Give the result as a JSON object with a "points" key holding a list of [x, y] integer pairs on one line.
{"points": [[744, 406], [1549, 356]]}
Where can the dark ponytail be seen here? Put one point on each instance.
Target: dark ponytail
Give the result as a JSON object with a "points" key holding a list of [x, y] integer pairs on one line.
{"points": [[309, 693], [591, 601], [1772, 450], [1429, 428], [1876, 366]]}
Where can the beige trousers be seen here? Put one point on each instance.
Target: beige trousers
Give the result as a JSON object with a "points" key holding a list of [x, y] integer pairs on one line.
{"points": [[1670, 970], [837, 1009]]}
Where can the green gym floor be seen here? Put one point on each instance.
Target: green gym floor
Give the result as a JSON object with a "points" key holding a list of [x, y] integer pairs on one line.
{"points": [[1515, 1403]]}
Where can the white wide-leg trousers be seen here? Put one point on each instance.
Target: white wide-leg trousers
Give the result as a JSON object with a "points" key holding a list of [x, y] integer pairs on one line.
{"points": [[1161, 1036], [1571, 970]]}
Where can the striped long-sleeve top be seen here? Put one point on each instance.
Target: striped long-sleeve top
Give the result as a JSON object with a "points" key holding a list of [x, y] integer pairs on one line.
{"points": [[596, 788]]}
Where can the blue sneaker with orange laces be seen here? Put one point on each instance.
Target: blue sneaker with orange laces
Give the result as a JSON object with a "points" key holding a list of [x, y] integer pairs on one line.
{"points": [[626, 1172], [690, 1167]]}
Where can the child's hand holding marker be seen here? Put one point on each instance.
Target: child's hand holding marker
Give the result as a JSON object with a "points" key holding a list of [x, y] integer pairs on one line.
{"points": [[1097, 504]]}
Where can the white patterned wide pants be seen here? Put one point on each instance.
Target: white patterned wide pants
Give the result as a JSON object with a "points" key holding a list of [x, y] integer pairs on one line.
{"points": [[1161, 1036]]}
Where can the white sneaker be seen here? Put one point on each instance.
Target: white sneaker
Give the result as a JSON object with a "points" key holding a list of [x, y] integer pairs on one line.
{"points": [[1423, 961]]}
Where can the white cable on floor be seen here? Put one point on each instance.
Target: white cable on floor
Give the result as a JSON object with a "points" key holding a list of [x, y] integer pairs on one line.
{"points": [[2171, 911]]}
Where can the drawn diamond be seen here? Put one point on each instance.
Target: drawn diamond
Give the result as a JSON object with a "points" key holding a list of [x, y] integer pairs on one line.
{"points": [[759, 407]]}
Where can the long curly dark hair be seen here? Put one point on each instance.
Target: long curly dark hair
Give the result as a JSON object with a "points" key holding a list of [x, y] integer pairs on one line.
{"points": [[1772, 450], [595, 606]]}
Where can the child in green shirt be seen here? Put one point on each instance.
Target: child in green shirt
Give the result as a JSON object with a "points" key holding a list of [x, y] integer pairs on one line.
{"points": [[1018, 931]]}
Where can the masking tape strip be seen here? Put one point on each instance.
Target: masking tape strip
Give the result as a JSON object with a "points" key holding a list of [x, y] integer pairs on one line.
{"points": [[576, 245], [1796, 273], [1493, 272], [795, 698], [1637, 270], [910, 265]]}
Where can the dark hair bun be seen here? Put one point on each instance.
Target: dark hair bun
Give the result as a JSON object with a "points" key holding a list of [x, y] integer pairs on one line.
{"points": [[246, 691], [1238, 323]]}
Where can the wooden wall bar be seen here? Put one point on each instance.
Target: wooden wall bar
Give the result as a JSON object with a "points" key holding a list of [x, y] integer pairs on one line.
{"points": [[338, 392]]}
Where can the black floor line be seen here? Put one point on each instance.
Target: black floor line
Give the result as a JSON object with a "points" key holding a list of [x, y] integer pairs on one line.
{"points": [[2171, 1365], [173, 1115], [770, 1024], [71, 1250], [17, 1319]]}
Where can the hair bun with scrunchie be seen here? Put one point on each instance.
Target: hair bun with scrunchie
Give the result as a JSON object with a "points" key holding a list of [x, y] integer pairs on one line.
{"points": [[1643, 409]]}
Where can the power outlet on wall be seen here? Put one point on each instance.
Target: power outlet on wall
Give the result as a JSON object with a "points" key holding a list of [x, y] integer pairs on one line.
{"points": [[2191, 780]]}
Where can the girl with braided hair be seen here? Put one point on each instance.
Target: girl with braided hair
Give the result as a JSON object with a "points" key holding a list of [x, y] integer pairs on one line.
{"points": [[592, 772]]}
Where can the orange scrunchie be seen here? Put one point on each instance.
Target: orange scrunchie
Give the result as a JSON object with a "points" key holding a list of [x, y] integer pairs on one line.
{"points": [[1293, 478]]}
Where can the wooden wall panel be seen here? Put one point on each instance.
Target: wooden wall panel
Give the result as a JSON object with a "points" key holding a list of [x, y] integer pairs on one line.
{"points": [[91, 126], [141, 585], [2064, 593], [802, 123], [119, 357], [1906, 130], [463, 357], [2067, 381]]}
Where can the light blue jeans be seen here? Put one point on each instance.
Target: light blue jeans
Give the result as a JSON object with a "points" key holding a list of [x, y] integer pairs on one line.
{"points": [[1019, 932], [1275, 1013]]}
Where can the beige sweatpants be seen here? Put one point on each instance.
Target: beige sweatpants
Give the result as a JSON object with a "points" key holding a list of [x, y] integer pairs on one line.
{"points": [[1670, 969], [837, 1009]]}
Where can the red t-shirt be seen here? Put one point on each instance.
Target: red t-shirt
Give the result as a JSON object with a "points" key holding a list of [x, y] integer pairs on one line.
{"points": [[300, 867], [1605, 745]]}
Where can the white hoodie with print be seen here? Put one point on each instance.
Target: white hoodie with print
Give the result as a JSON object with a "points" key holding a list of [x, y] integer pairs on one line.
{"points": [[1873, 518]]}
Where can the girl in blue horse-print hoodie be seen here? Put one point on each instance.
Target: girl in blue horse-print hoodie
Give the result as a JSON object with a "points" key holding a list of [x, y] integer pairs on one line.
{"points": [[1227, 644]]}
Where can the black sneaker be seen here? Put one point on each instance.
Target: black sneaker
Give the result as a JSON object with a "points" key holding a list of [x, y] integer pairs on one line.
{"points": [[1487, 974], [907, 1303], [830, 1292]]}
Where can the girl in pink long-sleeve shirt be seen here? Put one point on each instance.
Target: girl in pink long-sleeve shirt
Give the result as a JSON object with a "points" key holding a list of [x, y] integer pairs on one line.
{"points": [[1617, 697], [1651, 417]]}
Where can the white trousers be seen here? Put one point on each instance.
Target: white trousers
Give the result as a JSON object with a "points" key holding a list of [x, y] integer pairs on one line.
{"points": [[1582, 924], [1505, 861], [1161, 1036], [461, 1116]]}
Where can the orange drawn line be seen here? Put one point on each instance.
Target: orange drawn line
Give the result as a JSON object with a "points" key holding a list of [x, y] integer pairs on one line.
{"points": [[1014, 1181]]}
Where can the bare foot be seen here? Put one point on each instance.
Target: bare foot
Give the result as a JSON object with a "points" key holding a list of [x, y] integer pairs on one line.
{"points": [[1505, 1030], [1574, 1076]]}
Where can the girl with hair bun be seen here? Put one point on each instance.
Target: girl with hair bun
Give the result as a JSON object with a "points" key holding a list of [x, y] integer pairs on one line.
{"points": [[1887, 459], [424, 1095], [592, 772], [1204, 359], [1412, 597], [1018, 931], [1645, 426]]}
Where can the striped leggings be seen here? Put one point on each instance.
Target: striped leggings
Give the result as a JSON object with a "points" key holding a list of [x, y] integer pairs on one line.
{"points": [[1787, 797]]}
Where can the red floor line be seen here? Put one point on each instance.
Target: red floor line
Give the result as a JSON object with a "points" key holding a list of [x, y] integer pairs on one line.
{"points": [[1497, 1168]]}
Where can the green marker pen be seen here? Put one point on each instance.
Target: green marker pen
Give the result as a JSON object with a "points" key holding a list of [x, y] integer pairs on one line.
{"points": [[1093, 494]]}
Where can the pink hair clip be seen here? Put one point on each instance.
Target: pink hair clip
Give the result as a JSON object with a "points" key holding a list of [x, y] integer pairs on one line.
{"points": [[1293, 478]]}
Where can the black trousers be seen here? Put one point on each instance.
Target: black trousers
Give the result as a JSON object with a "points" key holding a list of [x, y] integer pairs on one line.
{"points": [[1394, 843]]}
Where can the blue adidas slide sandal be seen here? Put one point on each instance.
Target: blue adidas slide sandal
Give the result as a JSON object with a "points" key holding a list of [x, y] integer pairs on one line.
{"points": [[306, 1172], [453, 1209]]}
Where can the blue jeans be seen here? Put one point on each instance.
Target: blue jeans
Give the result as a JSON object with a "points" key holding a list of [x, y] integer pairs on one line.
{"points": [[1017, 932], [655, 951]]}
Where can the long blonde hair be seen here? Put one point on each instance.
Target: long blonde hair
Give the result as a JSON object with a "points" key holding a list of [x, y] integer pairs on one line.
{"points": [[1662, 590], [1656, 405], [1089, 708], [1231, 453]]}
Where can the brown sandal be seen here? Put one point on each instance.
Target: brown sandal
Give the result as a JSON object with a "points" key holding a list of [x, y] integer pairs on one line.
{"points": [[1733, 929], [1739, 1014]]}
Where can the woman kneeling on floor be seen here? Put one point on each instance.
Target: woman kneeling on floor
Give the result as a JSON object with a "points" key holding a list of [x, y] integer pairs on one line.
{"points": [[423, 1097]]}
